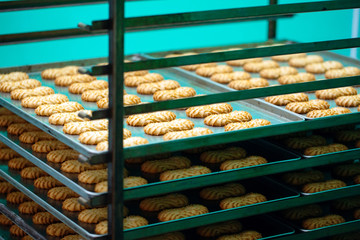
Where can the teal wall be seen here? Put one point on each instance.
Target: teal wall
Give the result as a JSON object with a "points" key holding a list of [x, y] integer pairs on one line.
{"points": [[303, 27]]}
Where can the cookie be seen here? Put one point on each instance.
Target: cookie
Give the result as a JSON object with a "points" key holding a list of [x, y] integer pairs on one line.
{"points": [[357, 214], [248, 84], [287, 57], [23, 84], [174, 200], [151, 88], [134, 81], [94, 95], [103, 146], [133, 141], [313, 223], [141, 120], [219, 120], [344, 72], [19, 163], [3, 145], [348, 101], [161, 128], [48, 146], [61, 193], [16, 231], [335, 92], [19, 128], [19, 94], [283, 100], [222, 191], [66, 107], [13, 76], [168, 236], [241, 163], [327, 112], [6, 187], [5, 221], [59, 230], [63, 118], [322, 67], [296, 78], [323, 186], [93, 215], [46, 182], [102, 227], [303, 177], [65, 81], [245, 235], [347, 170], [76, 128], [194, 67], [135, 73], [6, 120], [184, 212], [242, 62], [228, 77], [207, 110], [74, 166], [305, 107], [6, 154], [250, 124], [304, 142], [218, 229], [181, 92], [172, 163], [72, 237], [93, 176], [72, 205], [33, 137], [5, 111], [79, 88], [59, 156], [16, 198], [346, 203], [209, 71], [34, 102], [275, 73], [218, 156], [303, 61], [134, 222], [102, 187], [30, 208], [44, 218], [318, 150], [199, 131], [93, 137], [133, 181], [183, 173], [32, 173], [302, 212], [129, 99], [247, 199], [53, 73], [256, 67]]}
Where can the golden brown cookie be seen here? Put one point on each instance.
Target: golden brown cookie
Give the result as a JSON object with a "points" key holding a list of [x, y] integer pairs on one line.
{"points": [[299, 213], [199, 131], [72, 237], [296, 78], [133, 181], [165, 127], [65, 81], [181, 92], [303, 177], [13, 76], [50, 109], [184, 212], [23, 84], [304, 142], [129, 99], [283, 100], [346, 203], [275, 73], [228, 77], [248, 84], [151, 88], [6, 154], [222, 191], [303, 61], [141, 120], [218, 229], [335, 92], [313, 223], [16, 231], [322, 67], [53, 73], [241, 163], [174, 200], [6, 120], [357, 214], [48, 146], [75, 128], [19, 128], [243, 125], [287, 57], [131, 141], [93, 215], [258, 66], [94, 95], [219, 120], [207, 110], [327, 112], [74, 166], [79, 88], [16, 198], [247, 199], [183, 173], [172, 163], [93, 137], [348, 101], [32, 173], [242, 62], [245, 235], [135, 73], [30, 208], [34, 102], [44, 218], [347, 170], [194, 67], [102, 227], [6, 187], [218, 156], [19, 94], [5, 221], [344, 72], [103, 146], [103, 186], [134, 81], [335, 147], [59, 230], [209, 71], [323, 186], [305, 107], [33, 137], [93, 176], [134, 222], [59, 156], [46, 182], [72, 205], [61, 193], [19, 163], [63, 118], [5, 111]]}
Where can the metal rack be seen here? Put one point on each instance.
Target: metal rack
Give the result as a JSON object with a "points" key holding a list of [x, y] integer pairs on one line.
{"points": [[116, 27]]}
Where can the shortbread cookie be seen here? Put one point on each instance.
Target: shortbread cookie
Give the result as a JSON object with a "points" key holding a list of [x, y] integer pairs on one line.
{"points": [[220, 120], [65, 81], [245, 235], [296, 78], [347, 170], [44, 218], [103, 186], [32, 173], [222, 191], [74, 166], [93, 215], [344, 72], [151, 88], [141, 120], [313, 223], [72, 205], [218, 156], [134, 222], [102, 227], [63, 118], [303, 177], [242, 62], [30, 207], [305, 107], [6, 120], [168, 236], [53, 73], [303, 61], [348, 101], [20, 94], [103, 146], [335, 92], [299, 213], [66, 107], [228, 77], [209, 71], [347, 135], [305, 142], [16, 231], [135, 73], [75, 128], [129, 99], [6, 154], [247, 199], [13, 76], [48, 146], [5, 221], [322, 67], [241, 163], [6, 187], [182, 92], [194, 67], [327, 112], [134, 81], [93, 137], [61, 193], [199, 131], [17, 198], [174, 200], [323, 186], [249, 84], [283, 100], [318, 150], [79, 88], [59, 156], [34, 102], [59, 230], [165, 127], [129, 142], [218, 229], [133, 181], [19, 128], [346, 203], [159, 166], [33, 137], [207, 110], [94, 95], [23, 84], [275, 73], [243, 125], [287, 57], [258, 66], [46, 182], [184, 212], [184, 173], [93, 176]]}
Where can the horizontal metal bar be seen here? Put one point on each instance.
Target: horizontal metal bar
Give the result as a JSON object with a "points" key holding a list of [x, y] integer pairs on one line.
{"points": [[242, 54], [103, 157]]}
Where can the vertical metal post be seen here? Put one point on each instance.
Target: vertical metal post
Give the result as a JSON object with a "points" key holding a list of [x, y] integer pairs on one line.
{"points": [[116, 80], [272, 24]]}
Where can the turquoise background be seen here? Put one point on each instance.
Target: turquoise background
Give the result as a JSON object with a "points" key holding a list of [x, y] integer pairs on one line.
{"points": [[303, 28]]}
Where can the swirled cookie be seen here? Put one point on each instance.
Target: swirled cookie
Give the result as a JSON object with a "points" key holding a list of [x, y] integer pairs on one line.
{"points": [[168, 236], [242, 62], [243, 125], [141, 120], [305, 107], [218, 229], [94, 95], [174, 200], [66, 107], [129, 142], [283, 100], [209, 71], [194, 67], [305, 142], [287, 57], [207, 110], [303, 177], [32, 173], [33, 137], [30, 207], [172, 163], [299, 213], [199, 131], [327, 112], [15, 230], [323, 186], [258, 66], [347, 135], [23, 84], [151, 88], [93, 137], [93, 215], [249, 84], [44, 218], [296, 78], [165, 127], [275, 73], [184, 173], [13, 76], [19, 163], [245, 235], [134, 222], [102, 227], [5, 221], [181, 92], [19, 128], [335, 147], [335, 92], [134, 81], [184, 212], [218, 156], [74, 166], [53, 73], [79, 88], [63, 118], [17, 198], [76, 128], [347, 170], [6, 187], [93, 176], [59, 156], [102, 146], [6, 120], [228, 77], [247, 199], [344, 72], [20, 94], [222, 191], [59, 230], [6, 154], [46, 182], [129, 99], [346, 203], [103, 186], [34, 102], [61, 193], [72, 205], [135, 73], [47, 146], [322, 67], [5, 111], [241, 163], [303, 61], [348, 101], [220, 120], [313, 223], [65, 81], [133, 181]]}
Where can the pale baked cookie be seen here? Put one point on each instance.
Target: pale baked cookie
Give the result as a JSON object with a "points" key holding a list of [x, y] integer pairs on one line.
{"points": [[63, 118], [218, 156], [218, 229], [296, 78], [209, 71], [16, 231], [305, 107], [168, 236], [19, 163], [6, 154], [94, 95], [93, 215], [322, 67], [299, 213], [283, 100], [348, 101], [305, 142], [323, 186], [249, 84], [6, 187], [20, 94], [102, 146], [102, 227], [33, 137], [335, 92], [130, 99], [172, 163], [184, 212], [44, 218], [335, 147], [6, 120], [13, 76], [344, 72], [133, 181], [222, 191], [247, 199], [184, 173], [245, 235], [199, 131], [30, 207], [32, 173], [275, 73], [287, 57], [220, 120], [347, 135], [303, 177], [93, 176], [313, 223], [104, 102], [194, 67], [79, 88], [303, 61], [174, 200], [250, 124], [241, 163], [134, 222], [242, 62], [327, 112], [59, 230], [23, 84], [134, 81], [46, 182], [34, 102], [53, 73], [94, 137], [19, 128], [129, 142], [48, 146], [346, 203], [75, 128], [165, 127], [59, 156], [16, 198], [206, 110], [5, 221], [141, 120], [65, 81], [66, 107], [61, 193], [181, 92], [74, 166], [72, 205], [151, 88], [103, 186], [228, 77], [258, 66]]}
